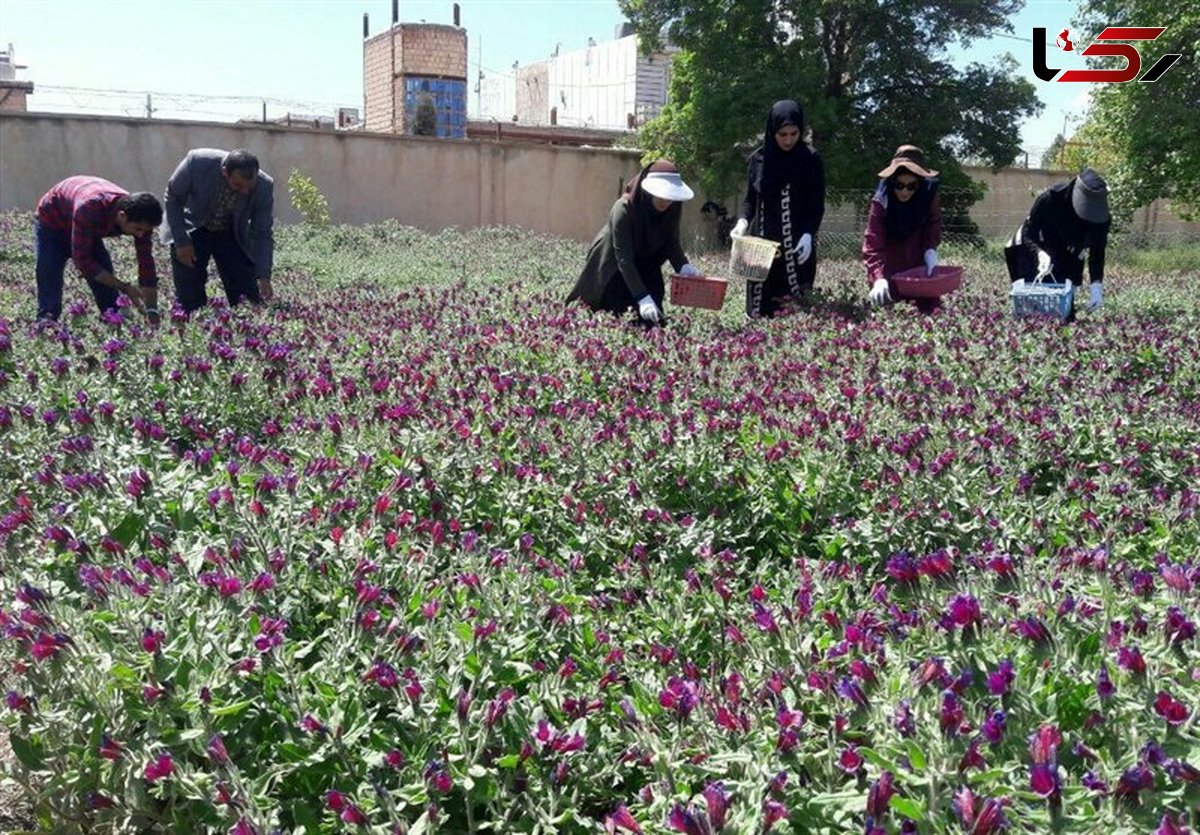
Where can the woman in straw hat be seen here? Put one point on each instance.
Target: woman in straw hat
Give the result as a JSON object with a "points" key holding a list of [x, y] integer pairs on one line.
{"points": [[624, 265], [904, 225], [785, 193]]}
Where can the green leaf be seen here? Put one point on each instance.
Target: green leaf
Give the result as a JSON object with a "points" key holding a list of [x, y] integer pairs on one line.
{"points": [[508, 761], [232, 709], [129, 528], [908, 808], [916, 756], [27, 751]]}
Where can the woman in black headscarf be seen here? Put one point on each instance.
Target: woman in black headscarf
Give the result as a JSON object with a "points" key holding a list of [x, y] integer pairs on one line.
{"points": [[785, 193], [624, 265]]}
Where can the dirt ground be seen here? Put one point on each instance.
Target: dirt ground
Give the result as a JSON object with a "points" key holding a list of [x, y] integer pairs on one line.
{"points": [[14, 806]]}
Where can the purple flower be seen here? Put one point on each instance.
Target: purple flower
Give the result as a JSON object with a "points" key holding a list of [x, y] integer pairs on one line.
{"points": [[1170, 709], [159, 768], [1105, 689], [999, 681], [682, 819], [216, 750], [1178, 627], [902, 568], [903, 720], [717, 801], [850, 761], [680, 696], [1134, 780], [993, 727], [773, 812], [1032, 629], [764, 620], [850, 690], [1043, 780], [963, 611], [951, 717], [1170, 826], [880, 795], [1043, 744], [621, 818]]}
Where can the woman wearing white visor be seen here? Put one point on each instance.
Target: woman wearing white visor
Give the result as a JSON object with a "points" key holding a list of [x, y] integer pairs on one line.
{"points": [[624, 264]]}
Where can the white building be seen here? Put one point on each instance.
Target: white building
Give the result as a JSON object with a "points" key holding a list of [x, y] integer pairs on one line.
{"points": [[606, 86]]}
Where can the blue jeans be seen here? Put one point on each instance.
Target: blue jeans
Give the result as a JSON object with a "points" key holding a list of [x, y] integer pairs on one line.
{"points": [[53, 252], [233, 266]]}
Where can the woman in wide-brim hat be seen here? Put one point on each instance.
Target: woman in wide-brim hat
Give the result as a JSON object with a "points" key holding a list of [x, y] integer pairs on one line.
{"points": [[785, 202], [624, 265], [904, 225]]}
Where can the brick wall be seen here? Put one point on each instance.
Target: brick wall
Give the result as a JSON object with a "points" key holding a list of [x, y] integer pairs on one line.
{"points": [[434, 49], [377, 81], [13, 93]]}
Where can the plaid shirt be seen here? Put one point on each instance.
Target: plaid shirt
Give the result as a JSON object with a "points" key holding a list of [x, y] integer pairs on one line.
{"points": [[85, 209], [223, 210]]}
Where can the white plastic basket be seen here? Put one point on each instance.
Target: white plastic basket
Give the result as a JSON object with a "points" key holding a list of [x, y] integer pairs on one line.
{"points": [[751, 257], [1042, 298]]}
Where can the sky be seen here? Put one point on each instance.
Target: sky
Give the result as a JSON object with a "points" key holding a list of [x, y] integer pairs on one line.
{"points": [[222, 59]]}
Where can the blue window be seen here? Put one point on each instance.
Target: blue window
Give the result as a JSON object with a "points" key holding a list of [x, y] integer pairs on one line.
{"points": [[449, 101]]}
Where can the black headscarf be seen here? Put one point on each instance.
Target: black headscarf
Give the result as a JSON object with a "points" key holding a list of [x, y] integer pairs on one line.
{"points": [[647, 220], [779, 167], [903, 219]]}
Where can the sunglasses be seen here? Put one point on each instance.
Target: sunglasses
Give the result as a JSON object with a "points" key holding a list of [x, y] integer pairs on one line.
{"points": [[910, 186]]}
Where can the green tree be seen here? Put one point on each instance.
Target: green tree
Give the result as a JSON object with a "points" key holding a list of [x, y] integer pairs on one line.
{"points": [[1053, 157], [425, 119], [307, 199], [870, 75], [1150, 129]]}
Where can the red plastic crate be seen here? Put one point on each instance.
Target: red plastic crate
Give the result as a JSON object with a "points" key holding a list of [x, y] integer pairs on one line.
{"points": [[706, 291], [915, 284]]}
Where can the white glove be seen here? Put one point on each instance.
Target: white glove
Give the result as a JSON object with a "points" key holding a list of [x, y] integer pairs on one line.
{"points": [[1043, 264], [880, 294], [739, 228], [688, 269], [803, 248], [1097, 295], [930, 261], [648, 310]]}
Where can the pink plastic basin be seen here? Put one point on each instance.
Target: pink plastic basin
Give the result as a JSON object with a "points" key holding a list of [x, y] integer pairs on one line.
{"points": [[915, 284]]}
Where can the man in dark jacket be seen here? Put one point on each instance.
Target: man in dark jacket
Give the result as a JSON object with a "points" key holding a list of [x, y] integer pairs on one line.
{"points": [[1066, 220], [220, 206]]}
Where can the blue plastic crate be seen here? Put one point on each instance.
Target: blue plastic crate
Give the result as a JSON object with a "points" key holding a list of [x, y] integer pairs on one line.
{"points": [[1043, 298]]}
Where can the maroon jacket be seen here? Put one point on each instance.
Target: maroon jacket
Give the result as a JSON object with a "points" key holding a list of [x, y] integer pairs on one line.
{"points": [[884, 257]]}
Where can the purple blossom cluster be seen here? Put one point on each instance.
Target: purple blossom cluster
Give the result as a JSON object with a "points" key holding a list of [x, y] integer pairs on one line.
{"points": [[407, 556]]}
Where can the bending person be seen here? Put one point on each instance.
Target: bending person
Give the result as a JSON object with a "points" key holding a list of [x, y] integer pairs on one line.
{"points": [[904, 226], [624, 265]]}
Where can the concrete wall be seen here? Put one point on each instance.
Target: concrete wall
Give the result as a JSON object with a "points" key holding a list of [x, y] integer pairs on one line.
{"points": [[422, 182], [366, 177]]}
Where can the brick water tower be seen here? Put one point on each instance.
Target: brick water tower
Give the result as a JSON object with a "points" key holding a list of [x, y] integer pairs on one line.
{"points": [[415, 77]]}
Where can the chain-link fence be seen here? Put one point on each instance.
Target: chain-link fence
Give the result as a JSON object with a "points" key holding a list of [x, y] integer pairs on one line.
{"points": [[982, 223]]}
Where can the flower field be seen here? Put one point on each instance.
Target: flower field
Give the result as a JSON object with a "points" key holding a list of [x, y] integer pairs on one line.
{"points": [[422, 550]]}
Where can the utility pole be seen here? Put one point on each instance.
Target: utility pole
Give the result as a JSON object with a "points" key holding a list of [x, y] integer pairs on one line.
{"points": [[264, 121], [149, 107], [479, 82]]}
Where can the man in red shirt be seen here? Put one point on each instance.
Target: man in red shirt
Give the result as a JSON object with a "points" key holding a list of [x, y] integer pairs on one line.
{"points": [[73, 218]]}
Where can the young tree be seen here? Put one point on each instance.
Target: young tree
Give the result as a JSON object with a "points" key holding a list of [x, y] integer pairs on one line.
{"points": [[870, 76], [425, 119], [1150, 129]]}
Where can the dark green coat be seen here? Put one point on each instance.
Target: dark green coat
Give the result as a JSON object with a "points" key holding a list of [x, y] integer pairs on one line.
{"points": [[617, 272]]}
